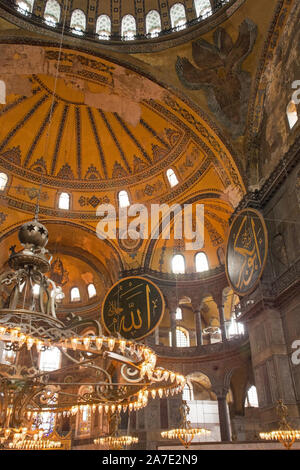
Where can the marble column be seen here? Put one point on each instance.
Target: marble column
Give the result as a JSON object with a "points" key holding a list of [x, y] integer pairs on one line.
{"points": [[199, 337], [222, 321], [224, 418]]}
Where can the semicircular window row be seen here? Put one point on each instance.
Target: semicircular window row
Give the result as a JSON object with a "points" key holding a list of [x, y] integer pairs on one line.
{"points": [[52, 16]]}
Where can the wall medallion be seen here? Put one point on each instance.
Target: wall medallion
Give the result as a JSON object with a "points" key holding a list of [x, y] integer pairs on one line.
{"points": [[133, 307], [246, 253]]}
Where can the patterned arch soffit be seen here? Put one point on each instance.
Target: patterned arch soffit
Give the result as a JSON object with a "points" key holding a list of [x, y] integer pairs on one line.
{"points": [[150, 247], [12, 230], [137, 68]]}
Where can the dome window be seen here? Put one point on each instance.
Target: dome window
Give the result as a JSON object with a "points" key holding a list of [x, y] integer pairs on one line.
{"points": [[153, 23], [128, 27], [64, 201], [203, 8], [172, 178], [52, 13], [78, 22], [123, 199], [177, 15], [103, 27], [25, 6], [3, 181]]}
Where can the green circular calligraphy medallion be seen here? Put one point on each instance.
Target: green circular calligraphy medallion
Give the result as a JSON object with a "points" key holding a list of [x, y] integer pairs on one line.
{"points": [[133, 307]]}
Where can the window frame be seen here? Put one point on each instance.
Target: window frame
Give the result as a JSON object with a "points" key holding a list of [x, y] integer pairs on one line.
{"points": [[75, 300], [195, 261], [184, 262]]}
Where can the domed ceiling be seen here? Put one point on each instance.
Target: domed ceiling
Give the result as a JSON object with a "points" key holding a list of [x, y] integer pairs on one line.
{"points": [[77, 123]]}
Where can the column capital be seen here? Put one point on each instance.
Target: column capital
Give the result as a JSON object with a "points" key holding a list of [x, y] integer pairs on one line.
{"points": [[220, 391]]}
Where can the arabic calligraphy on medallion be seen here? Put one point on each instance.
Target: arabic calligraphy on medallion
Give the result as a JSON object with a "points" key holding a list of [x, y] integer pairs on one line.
{"points": [[133, 307], [246, 253]]}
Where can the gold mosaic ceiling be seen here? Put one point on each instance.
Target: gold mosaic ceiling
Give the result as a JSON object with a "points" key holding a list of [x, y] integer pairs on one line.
{"points": [[92, 121], [82, 124]]}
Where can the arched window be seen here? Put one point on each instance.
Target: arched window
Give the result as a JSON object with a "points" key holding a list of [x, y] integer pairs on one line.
{"points": [[235, 328], [123, 199], [92, 291], [177, 15], [201, 262], [75, 294], [187, 393], [25, 6], [178, 314], [153, 23], [128, 27], [251, 397], [3, 181], [202, 7], [103, 27], [292, 115], [172, 178], [2, 92], [182, 337], [178, 264], [50, 359], [64, 201], [78, 22], [52, 12]]}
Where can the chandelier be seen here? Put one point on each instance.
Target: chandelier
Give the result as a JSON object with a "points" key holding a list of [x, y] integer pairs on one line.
{"points": [[25, 439], [185, 433], [118, 374], [115, 441], [284, 434]]}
